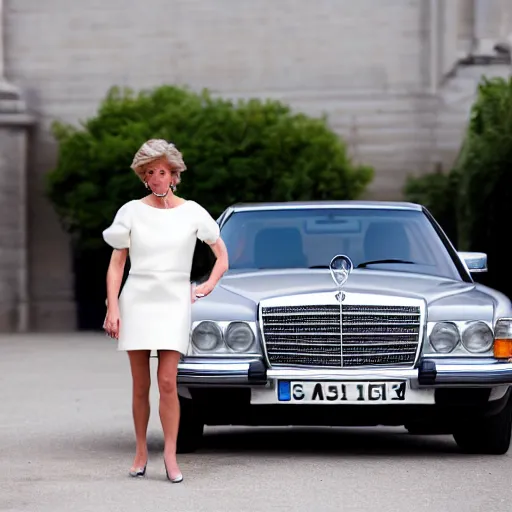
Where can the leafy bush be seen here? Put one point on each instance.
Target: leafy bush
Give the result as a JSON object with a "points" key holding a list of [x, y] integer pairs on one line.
{"points": [[437, 192], [245, 151], [485, 190], [234, 151], [474, 199]]}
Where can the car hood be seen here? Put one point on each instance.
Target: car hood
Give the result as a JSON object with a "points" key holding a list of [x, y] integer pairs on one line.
{"points": [[238, 294]]}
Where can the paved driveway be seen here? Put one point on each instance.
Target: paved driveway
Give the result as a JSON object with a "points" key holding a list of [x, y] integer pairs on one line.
{"points": [[66, 444]]}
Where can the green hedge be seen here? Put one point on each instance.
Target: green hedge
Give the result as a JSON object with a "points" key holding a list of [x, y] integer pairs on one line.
{"points": [[475, 198], [437, 192], [249, 150], [245, 151]]}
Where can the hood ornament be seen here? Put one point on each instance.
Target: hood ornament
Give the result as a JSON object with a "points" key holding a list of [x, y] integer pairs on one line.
{"points": [[340, 267]]}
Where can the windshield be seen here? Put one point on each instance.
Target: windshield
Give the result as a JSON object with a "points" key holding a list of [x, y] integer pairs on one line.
{"points": [[402, 240]]}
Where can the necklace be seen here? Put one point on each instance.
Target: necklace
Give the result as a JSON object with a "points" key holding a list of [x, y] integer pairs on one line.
{"points": [[164, 197]]}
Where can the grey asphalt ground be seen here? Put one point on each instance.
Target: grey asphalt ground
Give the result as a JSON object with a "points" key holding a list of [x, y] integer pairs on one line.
{"points": [[66, 444]]}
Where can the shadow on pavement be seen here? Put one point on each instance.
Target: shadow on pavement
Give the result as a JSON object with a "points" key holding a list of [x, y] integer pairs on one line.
{"points": [[263, 441], [335, 441]]}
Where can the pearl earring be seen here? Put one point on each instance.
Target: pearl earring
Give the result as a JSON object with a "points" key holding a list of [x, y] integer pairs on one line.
{"points": [[146, 184]]}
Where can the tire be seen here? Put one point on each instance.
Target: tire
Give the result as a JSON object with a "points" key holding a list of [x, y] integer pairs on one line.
{"points": [[191, 427], [489, 436]]}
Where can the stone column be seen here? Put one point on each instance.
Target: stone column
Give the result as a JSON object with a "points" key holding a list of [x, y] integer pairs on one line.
{"points": [[465, 27], [14, 130], [448, 35], [493, 24]]}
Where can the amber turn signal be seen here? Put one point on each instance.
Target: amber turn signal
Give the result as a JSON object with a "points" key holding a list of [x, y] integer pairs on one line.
{"points": [[503, 348], [503, 339]]}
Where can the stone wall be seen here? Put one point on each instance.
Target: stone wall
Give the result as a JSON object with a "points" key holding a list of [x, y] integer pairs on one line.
{"points": [[14, 133], [13, 268], [361, 62], [372, 66]]}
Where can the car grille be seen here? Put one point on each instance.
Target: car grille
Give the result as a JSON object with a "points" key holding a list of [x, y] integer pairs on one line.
{"points": [[330, 336]]}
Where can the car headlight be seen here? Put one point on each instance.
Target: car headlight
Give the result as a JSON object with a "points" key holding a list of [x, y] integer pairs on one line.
{"points": [[477, 337], [207, 336], [239, 336], [444, 337]]}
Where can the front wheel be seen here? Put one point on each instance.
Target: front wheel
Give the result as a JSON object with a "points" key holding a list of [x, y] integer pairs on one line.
{"points": [[490, 435], [191, 427]]}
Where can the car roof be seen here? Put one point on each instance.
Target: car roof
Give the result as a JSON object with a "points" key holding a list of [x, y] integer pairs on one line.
{"points": [[382, 205]]}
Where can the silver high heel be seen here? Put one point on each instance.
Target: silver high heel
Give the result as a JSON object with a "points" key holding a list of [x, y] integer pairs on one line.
{"points": [[138, 472], [175, 480]]}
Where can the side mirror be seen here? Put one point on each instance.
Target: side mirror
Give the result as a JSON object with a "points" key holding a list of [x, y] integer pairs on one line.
{"points": [[475, 262]]}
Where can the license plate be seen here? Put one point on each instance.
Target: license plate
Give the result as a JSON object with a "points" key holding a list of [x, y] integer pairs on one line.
{"points": [[341, 392]]}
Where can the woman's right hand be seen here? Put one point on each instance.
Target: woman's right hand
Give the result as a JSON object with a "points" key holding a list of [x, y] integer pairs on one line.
{"points": [[112, 323]]}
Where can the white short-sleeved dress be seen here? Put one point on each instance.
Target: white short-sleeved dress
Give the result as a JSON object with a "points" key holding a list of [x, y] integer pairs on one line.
{"points": [[155, 302]]}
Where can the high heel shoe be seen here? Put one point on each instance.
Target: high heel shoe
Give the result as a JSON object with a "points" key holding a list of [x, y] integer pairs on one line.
{"points": [[176, 479], [138, 472]]}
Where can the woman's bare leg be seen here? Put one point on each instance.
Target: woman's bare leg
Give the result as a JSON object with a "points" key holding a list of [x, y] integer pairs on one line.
{"points": [[139, 364], [169, 406]]}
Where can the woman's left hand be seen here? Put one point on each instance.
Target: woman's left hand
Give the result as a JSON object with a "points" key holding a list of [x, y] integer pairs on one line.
{"points": [[221, 265], [204, 289]]}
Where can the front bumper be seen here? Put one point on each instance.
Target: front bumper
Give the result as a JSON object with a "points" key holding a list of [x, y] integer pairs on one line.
{"points": [[430, 373]]}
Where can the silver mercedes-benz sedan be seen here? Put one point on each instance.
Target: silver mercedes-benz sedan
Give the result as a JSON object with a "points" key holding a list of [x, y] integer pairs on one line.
{"points": [[349, 313]]}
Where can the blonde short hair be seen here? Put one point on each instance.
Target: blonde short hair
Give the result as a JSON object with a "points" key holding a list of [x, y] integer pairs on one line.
{"points": [[154, 149]]}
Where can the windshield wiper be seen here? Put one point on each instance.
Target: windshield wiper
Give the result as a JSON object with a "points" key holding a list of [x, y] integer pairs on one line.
{"points": [[319, 266], [390, 260]]}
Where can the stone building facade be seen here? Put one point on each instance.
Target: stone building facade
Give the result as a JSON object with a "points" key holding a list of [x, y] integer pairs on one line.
{"points": [[395, 77]]}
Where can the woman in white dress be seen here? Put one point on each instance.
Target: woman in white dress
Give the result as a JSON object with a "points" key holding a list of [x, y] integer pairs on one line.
{"points": [[153, 310]]}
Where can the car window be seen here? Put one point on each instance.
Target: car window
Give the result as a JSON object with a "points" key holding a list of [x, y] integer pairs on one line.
{"points": [[311, 237]]}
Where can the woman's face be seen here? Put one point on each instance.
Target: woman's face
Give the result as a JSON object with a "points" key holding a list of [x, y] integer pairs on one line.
{"points": [[159, 176]]}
